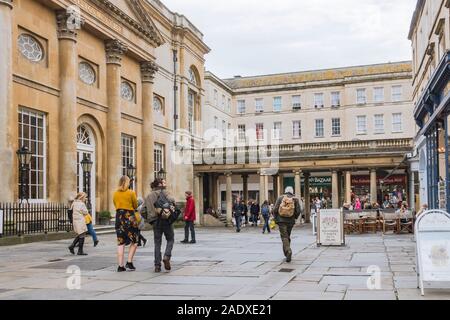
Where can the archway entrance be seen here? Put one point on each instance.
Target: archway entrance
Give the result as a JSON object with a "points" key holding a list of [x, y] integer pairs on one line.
{"points": [[86, 148]]}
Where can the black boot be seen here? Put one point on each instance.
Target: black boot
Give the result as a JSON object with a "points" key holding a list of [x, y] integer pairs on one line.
{"points": [[80, 248], [73, 245]]}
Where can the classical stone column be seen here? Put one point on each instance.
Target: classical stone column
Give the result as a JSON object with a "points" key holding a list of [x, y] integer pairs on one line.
{"points": [[348, 187], [148, 70], [245, 187], [412, 194], [281, 183], [8, 115], [68, 77], [201, 209], [335, 189], [229, 199], [307, 175], [266, 188], [115, 49], [218, 195], [298, 183], [275, 188], [198, 197], [373, 185], [262, 191]]}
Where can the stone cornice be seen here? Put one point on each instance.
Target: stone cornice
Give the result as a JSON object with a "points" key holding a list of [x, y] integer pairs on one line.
{"points": [[8, 3], [148, 71], [115, 49]]}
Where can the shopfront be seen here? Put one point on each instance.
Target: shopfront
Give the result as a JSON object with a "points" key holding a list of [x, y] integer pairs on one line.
{"points": [[394, 187]]}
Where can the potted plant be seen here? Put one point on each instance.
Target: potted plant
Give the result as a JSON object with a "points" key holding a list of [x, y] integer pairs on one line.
{"points": [[104, 218]]}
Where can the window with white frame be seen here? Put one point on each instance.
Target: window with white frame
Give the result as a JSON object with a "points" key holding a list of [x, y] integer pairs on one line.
{"points": [[297, 129], [276, 134], [396, 93], [397, 125], [336, 99], [159, 158], [259, 105], [296, 102], [361, 96], [336, 126], [260, 131], [241, 132], [229, 105], [378, 94], [224, 129], [191, 107], [32, 134], [277, 104], [361, 125], [318, 100], [216, 98], [128, 152], [216, 123], [379, 123], [223, 102], [241, 106], [320, 133]]}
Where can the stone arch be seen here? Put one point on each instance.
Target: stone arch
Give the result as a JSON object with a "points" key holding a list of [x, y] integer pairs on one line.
{"points": [[194, 76]]}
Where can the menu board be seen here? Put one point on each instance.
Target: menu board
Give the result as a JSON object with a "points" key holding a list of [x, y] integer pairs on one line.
{"points": [[330, 225], [433, 247]]}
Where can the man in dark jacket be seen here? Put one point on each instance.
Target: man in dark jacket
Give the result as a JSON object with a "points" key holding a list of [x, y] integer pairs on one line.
{"points": [[254, 211], [238, 212], [287, 209]]}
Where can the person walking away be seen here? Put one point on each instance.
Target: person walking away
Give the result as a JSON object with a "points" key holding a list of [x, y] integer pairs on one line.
{"points": [[238, 211], [141, 227], [79, 210], [245, 217], [189, 218], [162, 214], [254, 211], [265, 211], [127, 231], [287, 210], [91, 230]]}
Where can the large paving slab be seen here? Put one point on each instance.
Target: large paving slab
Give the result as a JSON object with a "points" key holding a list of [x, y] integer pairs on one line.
{"points": [[223, 265]]}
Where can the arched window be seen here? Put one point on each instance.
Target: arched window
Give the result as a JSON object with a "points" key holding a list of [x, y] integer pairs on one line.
{"points": [[192, 76], [83, 136], [158, 105], [30, 48]]}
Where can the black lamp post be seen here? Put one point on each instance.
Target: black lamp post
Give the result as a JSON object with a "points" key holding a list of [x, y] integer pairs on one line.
{"points": [[162, 174], [24, 155], [131, 173], [86, 165]]}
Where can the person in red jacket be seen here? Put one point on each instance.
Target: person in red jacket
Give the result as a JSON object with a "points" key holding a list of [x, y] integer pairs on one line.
{"points": [[189, 218]]}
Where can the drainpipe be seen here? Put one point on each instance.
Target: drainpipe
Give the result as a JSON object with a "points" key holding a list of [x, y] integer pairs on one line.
{"points": [[175, 89]]}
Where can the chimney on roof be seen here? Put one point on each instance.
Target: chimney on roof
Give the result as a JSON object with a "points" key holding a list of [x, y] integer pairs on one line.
{"points": [[237, 77]]}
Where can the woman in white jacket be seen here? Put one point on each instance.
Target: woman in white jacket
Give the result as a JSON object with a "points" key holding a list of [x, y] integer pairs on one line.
{"points": [[79, 210]]}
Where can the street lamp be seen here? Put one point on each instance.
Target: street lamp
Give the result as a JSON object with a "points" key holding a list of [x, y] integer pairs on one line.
{"points": [[131, 173], [162, 174], [86, 165], [24, 155]]}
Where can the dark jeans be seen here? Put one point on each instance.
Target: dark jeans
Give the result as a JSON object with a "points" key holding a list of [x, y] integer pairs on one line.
{"points": [[189, 226], [255, 219], [285, 233], [266, 223], [238, 219], [161, 228], [92, 232]]}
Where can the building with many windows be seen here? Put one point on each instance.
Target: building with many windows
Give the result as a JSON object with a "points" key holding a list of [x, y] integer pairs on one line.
{"points": [[430, 39], [338, 134], [96, 79]]}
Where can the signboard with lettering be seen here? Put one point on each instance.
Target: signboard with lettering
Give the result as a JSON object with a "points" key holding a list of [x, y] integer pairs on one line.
{"points": [[330, 228], [392, 180], [433, 249]]}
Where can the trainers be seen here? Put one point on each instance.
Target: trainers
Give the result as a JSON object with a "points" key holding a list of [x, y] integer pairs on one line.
{"points": [[96, 243], [121, 269], [166, 262], [145, 242], [130, 266], [71, 250], [289, 257], [157, 269], [193, 241], [184, 241]]}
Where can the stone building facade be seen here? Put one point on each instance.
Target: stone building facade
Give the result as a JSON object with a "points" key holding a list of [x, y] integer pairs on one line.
{"points": [[110, 80]]}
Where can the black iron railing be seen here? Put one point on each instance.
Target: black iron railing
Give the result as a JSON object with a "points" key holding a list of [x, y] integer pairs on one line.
{"points": [[17, 219]]}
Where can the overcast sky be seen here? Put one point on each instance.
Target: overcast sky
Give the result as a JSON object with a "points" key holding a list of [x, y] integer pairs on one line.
{"points": [[254, 37]]}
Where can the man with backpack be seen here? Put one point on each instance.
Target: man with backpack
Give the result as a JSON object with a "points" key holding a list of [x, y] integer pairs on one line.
{"points": [[287, 209], [162, 212]]}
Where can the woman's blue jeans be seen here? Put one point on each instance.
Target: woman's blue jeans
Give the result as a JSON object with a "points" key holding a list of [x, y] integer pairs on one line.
{"points": [[91, 231]]}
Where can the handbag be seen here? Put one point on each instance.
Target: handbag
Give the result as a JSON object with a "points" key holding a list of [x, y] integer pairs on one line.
{"points": [[87, 219]]}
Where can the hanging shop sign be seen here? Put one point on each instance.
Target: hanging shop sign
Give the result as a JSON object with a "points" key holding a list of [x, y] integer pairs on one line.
{"points": [[330, 228], [432, 231]]}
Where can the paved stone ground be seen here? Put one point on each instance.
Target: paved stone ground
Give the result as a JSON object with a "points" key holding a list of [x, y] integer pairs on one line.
{"points": [[223, 265]]}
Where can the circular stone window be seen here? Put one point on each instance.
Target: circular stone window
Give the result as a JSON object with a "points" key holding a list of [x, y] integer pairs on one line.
{"points": [[87, 73], [30, 48], [126, 91]]}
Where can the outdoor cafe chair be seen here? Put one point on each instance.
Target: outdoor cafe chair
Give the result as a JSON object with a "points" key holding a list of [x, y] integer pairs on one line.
{"points": [[351, 223], [406, 222], [390, 221], [370, 221]]}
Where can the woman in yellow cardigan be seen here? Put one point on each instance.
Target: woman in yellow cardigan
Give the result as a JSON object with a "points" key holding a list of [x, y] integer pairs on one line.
{"points": [[127, 231]]}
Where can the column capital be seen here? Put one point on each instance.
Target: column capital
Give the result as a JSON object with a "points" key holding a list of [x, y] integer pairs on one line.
{"points": [[199, 174], [148, 70], [228, 174], [307, 174], [68, 22], [115, 49], [7, 3], [297, 171]]}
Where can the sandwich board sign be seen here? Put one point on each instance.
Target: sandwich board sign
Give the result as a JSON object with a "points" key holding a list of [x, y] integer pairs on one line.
{"points": [[330, 228], [432, 231]]}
